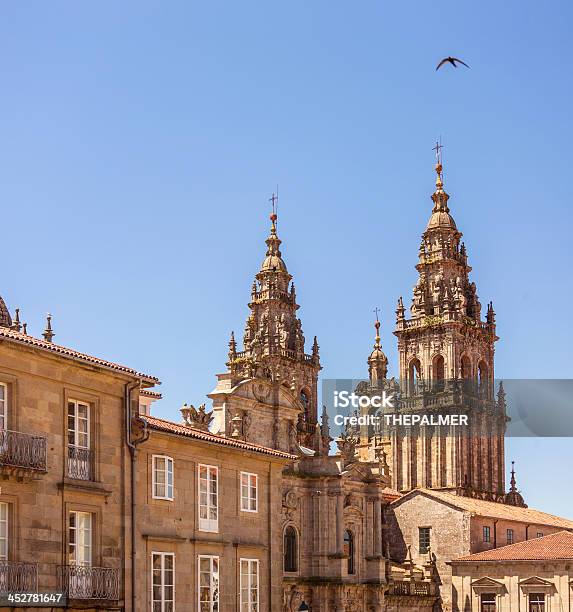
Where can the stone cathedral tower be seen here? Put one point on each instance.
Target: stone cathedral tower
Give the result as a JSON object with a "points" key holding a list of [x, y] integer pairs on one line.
{"points": [[269, 393], [446, 354]]}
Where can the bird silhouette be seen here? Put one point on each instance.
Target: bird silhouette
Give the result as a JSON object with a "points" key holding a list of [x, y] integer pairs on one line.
{"points": [[452, 61]]}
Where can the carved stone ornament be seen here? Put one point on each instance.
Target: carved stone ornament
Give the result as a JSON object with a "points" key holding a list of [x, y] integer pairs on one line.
{"points": [[197, 418]]}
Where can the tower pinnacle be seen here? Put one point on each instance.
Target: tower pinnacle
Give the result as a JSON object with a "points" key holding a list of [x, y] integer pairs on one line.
{"points": [[377, 361]]}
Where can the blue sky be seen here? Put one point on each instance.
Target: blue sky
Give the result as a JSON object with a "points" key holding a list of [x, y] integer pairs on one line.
{"points": [[140, 142]]}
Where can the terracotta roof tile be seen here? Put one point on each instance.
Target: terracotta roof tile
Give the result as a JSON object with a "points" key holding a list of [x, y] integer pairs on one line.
{"points": [[554, 546], [493, 509], [206, 436], [14, 336], [147, 393]]}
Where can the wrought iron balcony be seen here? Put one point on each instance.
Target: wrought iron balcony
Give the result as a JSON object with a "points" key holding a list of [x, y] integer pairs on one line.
{"points": [[22, 451], [80, 463], [18, 577], [86, 582]]}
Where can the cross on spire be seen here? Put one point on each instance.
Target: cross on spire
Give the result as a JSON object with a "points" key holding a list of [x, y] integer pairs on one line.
{"points": [[376, 311], [273, 200], [438, 149]]}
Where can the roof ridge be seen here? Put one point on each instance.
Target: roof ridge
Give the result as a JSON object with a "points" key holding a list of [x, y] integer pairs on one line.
{"points": [[69, 352], [491, 508], [558, 545], [209, 436]]}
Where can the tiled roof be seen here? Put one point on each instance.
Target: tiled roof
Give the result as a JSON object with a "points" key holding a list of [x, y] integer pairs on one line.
{"points": [[391, 494], [147, 393], [19, 338], [206, 436], [554, 546], [493, 509]]}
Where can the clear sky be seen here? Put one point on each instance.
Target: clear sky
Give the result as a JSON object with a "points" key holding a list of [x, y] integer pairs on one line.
{"points": [[140, 142]]}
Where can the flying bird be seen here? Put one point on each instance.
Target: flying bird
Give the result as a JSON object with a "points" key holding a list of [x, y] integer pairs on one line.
{"points": [[452, 61]]}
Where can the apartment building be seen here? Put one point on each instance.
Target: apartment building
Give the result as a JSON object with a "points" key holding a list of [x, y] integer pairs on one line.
{"points": [[65, 492], [209, 529]]}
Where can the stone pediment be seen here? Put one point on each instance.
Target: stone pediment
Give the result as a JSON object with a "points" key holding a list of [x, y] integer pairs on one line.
{"points": [[262, 391], [486, 582], [535, 581], [536, 584], [357, 473]]}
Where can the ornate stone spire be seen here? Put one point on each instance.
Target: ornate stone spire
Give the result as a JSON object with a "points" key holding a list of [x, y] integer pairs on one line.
{"points": [[5, 318], [273, 340], [444, 289], [377, 361], [513, 497]]}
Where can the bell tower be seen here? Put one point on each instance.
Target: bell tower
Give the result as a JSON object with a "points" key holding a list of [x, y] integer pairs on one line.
{"points": [[446, 352], [269, 393]]}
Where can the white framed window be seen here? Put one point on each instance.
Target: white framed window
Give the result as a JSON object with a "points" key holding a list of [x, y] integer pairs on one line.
{"points": [[162, 477], [249, 492], [80, 460], [249, 585], [162, 582], [3, 406], [80, 538], [208, 580], [4, 531], [78, 424], [208, 482]]}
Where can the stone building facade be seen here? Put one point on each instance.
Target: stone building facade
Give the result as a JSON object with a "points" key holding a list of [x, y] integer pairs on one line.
{"points": [[209, 530], [534, 575], [64, 494]]}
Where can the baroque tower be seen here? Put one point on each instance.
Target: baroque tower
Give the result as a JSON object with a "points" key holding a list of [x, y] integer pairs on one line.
{"points": [[269, 393], [446, 354]]}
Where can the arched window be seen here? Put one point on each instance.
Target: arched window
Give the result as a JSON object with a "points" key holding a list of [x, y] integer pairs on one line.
{"points": [[438, 372], [482, 372], [290, 550], [483, 376], [349, 551], [439, 368], [414, 373], [466, 367]]}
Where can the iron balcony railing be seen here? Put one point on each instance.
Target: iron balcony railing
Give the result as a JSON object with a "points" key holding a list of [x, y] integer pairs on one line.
{"points": [[86, 582], [18, 577], [80, 463], [22, 450]]}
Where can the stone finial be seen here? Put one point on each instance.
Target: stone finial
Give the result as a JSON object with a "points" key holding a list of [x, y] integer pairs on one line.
{"points": [[232, 347], [400, 310], [48, 333], [490, 317], [197, 418], [25, 329], [315, 350], [16, 326]]}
